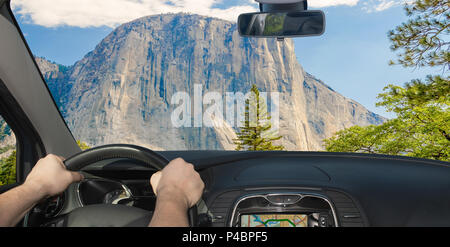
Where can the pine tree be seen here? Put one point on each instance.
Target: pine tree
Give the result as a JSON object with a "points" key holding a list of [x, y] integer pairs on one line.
{"points": [[257, 133], [423, 39]]}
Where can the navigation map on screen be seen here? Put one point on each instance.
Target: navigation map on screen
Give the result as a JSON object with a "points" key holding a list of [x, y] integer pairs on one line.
{"points": [[274, 220]]}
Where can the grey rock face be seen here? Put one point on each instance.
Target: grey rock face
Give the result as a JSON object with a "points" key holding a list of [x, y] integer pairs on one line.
{"points": [[121, 91], [56, 76]]}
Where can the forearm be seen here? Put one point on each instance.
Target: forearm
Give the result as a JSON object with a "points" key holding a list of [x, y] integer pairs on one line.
{"points": [[15, 203], [170, 211]]}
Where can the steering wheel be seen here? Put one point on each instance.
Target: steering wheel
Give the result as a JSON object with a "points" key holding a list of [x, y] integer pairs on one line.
{"points": [[115, 215]]}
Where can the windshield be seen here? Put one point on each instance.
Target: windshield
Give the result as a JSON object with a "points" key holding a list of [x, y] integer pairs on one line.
{"points": [[176, 75]]}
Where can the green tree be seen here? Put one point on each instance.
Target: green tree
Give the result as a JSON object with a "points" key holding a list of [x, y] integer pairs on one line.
{"points": [[7, 164], [83, 145], [8, 169], [421, 40], [257, 133], [422, 107]]}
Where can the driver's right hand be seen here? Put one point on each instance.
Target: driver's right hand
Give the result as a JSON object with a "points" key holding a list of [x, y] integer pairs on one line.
{"points": [[178, 179]]}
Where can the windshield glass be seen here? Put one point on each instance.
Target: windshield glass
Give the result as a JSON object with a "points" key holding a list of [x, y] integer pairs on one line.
{"points": [[176, 75]]}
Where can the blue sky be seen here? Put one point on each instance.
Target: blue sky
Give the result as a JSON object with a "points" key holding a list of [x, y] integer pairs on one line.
{"points": [[351, 57]]}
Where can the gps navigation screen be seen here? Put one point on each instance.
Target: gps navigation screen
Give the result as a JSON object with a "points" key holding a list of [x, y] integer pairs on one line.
{"points": [[274, 220]]}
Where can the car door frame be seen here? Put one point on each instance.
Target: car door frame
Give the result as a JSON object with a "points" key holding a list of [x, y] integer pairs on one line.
{"points": [[28, 144]]}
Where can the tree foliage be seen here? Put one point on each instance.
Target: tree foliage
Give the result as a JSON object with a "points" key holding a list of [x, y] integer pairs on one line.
{"points": [[422, 107], [7, 164], [8, 169], [421, 40], [410, 137], [256, 133], [83, 145]]}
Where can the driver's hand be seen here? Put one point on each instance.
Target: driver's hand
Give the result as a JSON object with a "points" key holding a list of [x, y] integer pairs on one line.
{"points": [[50, 177], [178, 180]]}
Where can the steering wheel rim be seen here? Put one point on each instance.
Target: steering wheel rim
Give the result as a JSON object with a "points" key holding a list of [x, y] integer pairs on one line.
{"points": [[113, 151]]}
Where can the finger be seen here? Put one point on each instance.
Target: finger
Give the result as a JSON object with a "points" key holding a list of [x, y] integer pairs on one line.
{"points": [[154, 181], [61, 158], [179, 159], [191, 166], [76, 176]]}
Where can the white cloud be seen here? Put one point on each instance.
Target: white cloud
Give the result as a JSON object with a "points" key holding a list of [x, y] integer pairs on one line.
{"points": [[366, 5], [89, 13], [329, 3], [111, 13], [384, 5], [381, 5]]}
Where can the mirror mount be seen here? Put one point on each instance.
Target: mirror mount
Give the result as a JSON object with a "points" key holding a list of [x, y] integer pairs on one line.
{"points": [[290, 5], [282, 19]]}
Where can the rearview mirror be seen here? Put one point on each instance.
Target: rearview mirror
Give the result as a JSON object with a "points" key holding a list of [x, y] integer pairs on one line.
{"points": [[282, 24]]}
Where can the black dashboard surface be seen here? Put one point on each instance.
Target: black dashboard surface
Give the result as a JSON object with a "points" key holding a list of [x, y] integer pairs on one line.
{"points": [[366, 190], [363, 190]]}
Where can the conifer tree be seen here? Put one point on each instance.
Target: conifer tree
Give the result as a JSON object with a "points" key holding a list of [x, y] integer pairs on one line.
{"points": [[256, 133]]}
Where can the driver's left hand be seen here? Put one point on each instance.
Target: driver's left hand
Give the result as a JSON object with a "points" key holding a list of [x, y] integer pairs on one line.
{"points": [[50, 177]]}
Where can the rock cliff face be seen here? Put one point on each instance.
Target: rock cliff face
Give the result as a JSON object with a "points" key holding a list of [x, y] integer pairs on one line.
{"points": [[56, 76], [121, 91]]}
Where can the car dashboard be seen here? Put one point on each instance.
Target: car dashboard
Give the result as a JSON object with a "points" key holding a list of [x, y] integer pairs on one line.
{"points": [[299, 189]]}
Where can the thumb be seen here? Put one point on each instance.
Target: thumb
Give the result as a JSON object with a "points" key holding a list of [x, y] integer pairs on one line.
{"points": [[76, 176], [154, 181]]}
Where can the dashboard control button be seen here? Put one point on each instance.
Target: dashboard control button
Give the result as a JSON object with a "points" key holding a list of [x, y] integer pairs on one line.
{"points": [[283, 199], [204, 220], [291, 199], [323, 221], [275, 199]]}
